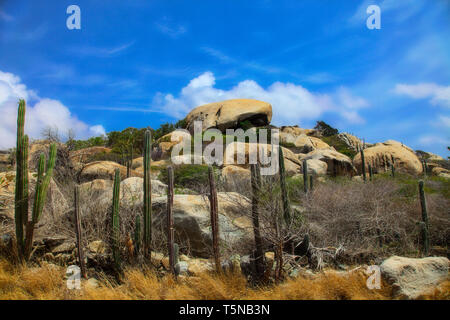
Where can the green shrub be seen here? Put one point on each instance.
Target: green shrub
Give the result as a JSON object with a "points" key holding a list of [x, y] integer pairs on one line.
{"points": [[192, 176], [339, 145]]}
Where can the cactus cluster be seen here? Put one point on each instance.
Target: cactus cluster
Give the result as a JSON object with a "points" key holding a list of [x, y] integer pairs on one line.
{"points": [[44, 175]]}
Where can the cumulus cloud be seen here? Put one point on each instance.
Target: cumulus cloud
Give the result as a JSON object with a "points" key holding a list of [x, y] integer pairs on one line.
{"points": [[41, 113], [438, 95], [427, 140], [291, 103]]}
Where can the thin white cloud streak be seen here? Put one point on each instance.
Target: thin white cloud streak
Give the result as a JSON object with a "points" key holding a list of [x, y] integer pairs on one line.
{"points": [[438, 95], [166, 27], [291, 103], [101, 52], [5, 17], [41, 113]]}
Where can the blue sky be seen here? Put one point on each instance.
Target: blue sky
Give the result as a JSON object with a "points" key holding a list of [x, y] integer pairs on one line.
{"points": [[140, 63]]}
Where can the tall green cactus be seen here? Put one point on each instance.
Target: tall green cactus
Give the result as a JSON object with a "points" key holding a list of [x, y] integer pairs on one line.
{"points": [[147, 193], [284, 194], [25, 242], [424, 223], [115, 227], [363, 165], [393, 166], [370, 173], [311, 182], [305, 176]]}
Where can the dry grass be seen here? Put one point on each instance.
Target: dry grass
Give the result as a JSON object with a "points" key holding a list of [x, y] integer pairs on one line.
{"points": [[47, 282]]}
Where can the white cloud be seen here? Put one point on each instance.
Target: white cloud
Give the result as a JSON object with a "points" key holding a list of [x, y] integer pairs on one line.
{"points": [[439, 95], [433, 140], [291, 103], [166, 26], [444, 121], [42, 112], [6, 17]]}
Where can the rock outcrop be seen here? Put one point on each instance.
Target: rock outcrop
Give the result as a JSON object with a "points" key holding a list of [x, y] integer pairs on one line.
{"points": [[337, 163], [55, 206], [302, 142], [192, 220], [411, 277], [84, 155], [104, 170], [350, 140], [379, 156], [229, 113]]}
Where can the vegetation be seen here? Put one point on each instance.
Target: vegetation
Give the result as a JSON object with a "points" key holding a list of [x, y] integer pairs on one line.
{"points": [[339, 145], [325, 129], [187, 176]]}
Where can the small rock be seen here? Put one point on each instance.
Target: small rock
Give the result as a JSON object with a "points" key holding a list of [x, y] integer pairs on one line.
{"points": [[92, 283], [97, 247], [411, 277]]}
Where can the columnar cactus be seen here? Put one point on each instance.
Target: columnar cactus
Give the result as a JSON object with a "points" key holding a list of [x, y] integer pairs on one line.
{"points": [[305, 176], [25, 242], [147, 193], [176, 255], [311, 182], [78, 232], [370, 172], [256, 189], [363, 165], [393, 167], [115, 227], [170, 230], [424, 224], [214, 218], [137, 235], [284, 194]]}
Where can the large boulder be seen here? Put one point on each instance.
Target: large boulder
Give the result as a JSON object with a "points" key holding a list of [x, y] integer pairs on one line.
{"points": [[337, 163], [380, 156], [104, 170], [441, 172], [316, 167], [165, 144], [131, 191], [302, 142], [84, 155], [232, 150], [235, 177], [55, 206], [192, 220], [411, 277], [229, 113], [350, 140], [428, 156], [296, 131]]}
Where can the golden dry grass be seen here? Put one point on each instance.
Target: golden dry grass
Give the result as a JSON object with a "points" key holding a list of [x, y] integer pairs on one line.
{"points": [[47, 282]]}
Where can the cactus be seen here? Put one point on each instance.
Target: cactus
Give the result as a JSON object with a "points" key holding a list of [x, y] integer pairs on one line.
{"points": [[370, 173], [176, 257], [137, 235], [147, 193], [305, 176], [363, 165], [25, 243], [214, 218], [170, 231], [424, 223], [311, 182], [393, 167], [256, 189], [115, 227], [21, 189], [78, 232], [284, 194], [128, 169]]}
